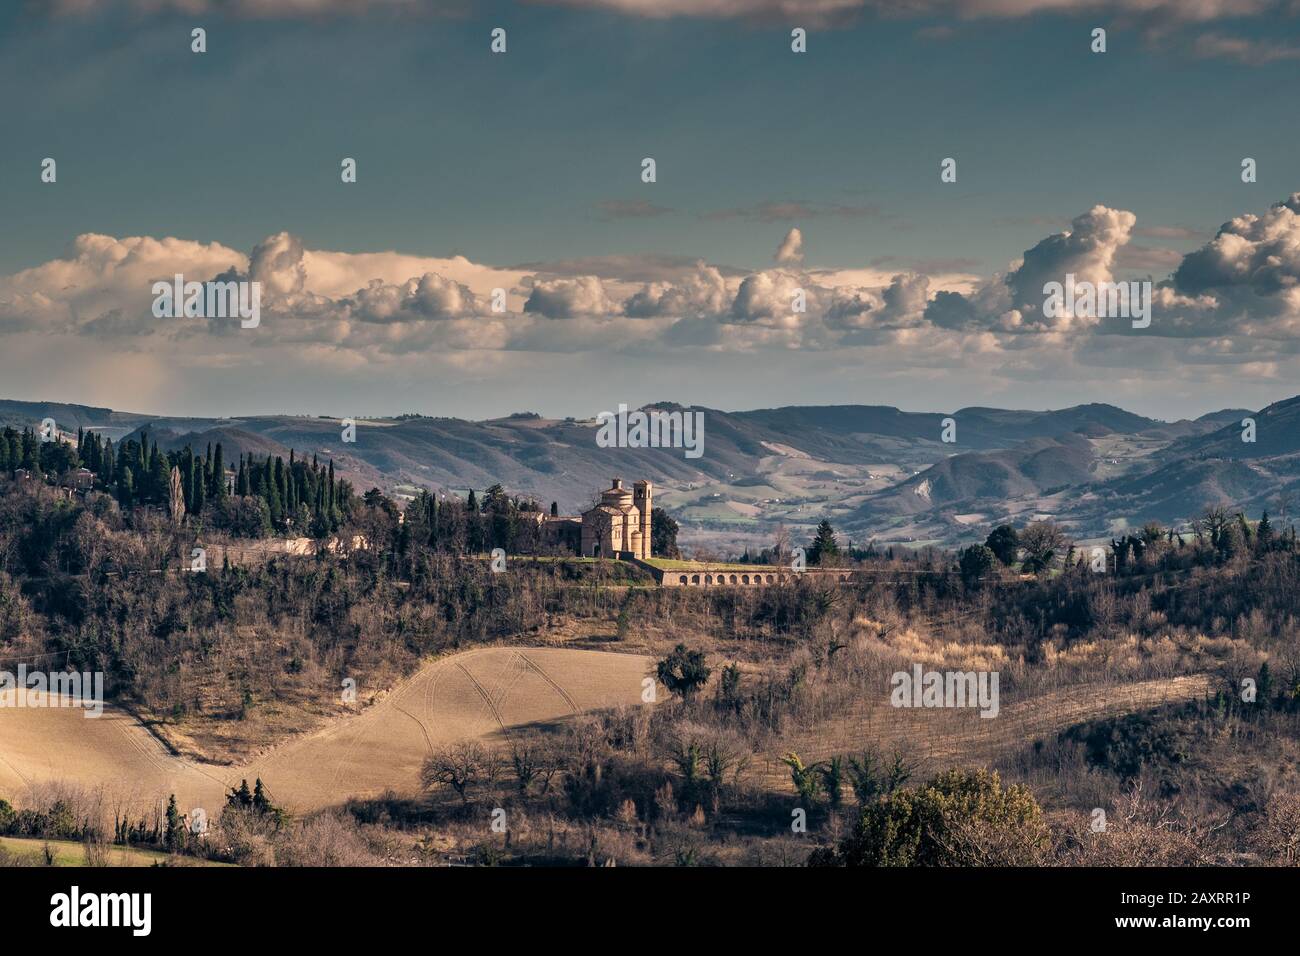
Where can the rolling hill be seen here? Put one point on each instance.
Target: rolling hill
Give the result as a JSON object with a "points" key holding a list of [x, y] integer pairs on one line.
{"points": [[876, 471]]}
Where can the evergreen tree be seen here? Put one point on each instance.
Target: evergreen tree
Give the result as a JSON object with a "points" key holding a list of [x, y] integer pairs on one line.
{"points": [[106, 473], [218, 475], [1004, 543], [198, 495], [824, 548], [159, 479], [1264, 534], [174, 835]]}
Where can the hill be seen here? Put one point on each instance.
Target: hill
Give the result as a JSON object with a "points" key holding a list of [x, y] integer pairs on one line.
{"points": [[876, 471]]}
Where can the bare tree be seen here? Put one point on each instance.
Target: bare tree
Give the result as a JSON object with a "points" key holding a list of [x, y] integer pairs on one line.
{"points": [[533, 761], [780, 543], [176, 497], [458, 767], [1043, 542]]}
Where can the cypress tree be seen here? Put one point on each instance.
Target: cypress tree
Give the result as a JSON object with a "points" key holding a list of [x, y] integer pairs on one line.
{"points": [[218, 475]]}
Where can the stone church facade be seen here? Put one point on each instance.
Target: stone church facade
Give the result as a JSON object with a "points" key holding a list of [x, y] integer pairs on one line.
{"points": [[619, 525]]}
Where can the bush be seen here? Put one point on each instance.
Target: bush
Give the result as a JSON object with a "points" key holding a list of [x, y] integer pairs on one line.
{"points": [[976, 563], [683, 672], [960, 818]]}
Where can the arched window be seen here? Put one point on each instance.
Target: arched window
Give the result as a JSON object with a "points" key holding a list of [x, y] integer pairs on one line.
{"points": [[695, 579], [682, 579]]}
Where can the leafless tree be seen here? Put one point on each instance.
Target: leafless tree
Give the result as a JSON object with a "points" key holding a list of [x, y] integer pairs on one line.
{"points": [[176, 497], [458, 767]]}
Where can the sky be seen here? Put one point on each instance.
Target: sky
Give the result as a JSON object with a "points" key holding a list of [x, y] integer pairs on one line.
{"points": [[775, 173]]}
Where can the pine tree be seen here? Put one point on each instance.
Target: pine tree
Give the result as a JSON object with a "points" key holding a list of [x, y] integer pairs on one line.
{"points": [[197, 495], [106, 473], [174, 835], [159, 478], [1264, 534], [218, 475], [824, 548]]}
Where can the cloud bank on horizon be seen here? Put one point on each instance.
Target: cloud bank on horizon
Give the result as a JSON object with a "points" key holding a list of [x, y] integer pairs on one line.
{"points": [[1230, 306]]}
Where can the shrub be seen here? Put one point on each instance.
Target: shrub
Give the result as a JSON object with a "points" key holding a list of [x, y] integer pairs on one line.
{"points": [[960, 818]]}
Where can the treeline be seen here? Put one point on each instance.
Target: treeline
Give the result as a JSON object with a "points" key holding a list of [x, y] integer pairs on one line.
{"points": [[256, 498], [25, 450], [465, 526], [1218, 536]]}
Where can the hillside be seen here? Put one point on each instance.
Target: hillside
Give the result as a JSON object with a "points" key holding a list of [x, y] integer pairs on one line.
{"points": [[877, 472]]}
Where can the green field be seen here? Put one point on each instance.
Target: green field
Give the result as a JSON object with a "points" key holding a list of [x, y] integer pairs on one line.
{"points": [[667, 564], [23, 851]]}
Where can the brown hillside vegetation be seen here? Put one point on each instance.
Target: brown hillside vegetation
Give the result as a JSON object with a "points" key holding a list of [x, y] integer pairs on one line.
{"points": [[480, 693]]}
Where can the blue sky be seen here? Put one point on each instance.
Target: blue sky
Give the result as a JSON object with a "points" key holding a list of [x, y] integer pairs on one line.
{"points": [[533, 157]]}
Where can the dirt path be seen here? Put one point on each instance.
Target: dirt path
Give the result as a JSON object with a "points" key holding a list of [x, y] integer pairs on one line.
{"points": [[479, 693]]}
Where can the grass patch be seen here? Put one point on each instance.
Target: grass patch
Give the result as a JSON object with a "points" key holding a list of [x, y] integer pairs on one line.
{"points": [[31, 852]]}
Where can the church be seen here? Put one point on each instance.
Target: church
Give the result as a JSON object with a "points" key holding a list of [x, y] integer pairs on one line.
{"points": [[619, 525]]}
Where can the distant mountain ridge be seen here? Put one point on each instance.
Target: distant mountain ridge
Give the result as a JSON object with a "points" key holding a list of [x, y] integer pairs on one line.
{"points": [[877, 471]]}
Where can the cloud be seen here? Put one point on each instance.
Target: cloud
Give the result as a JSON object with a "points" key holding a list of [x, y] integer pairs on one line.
{"points": [[830, 11], [702, 293], [102, 284], [1242, 50], [768, 298], [791, 209], [276, 262], [428, 297], [1234, 299], [1244, 281], [268, 9], [630, 209], [790, 251], [1168, 232], [806, 12], [566, 298], [1013, 302]]}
